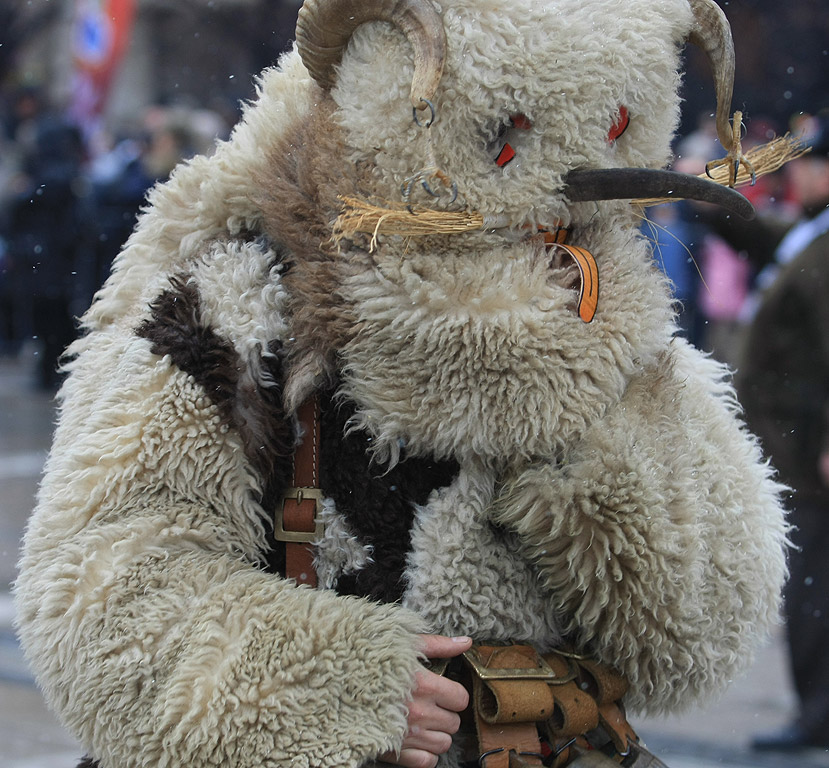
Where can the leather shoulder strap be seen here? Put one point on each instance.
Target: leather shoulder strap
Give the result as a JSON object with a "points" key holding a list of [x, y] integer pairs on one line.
{"points": [[297, 521]]}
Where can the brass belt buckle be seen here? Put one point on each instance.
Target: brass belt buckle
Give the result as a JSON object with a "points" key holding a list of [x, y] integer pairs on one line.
{"points": [[542, 672], [306, 537]]}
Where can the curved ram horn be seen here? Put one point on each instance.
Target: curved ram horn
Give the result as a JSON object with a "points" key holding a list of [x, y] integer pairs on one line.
{"points": [[648, 183], [324, 28], [712, 33]]}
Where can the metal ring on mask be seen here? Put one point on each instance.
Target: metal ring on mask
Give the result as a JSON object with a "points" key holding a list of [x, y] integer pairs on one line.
{"points": [[432, 114]]}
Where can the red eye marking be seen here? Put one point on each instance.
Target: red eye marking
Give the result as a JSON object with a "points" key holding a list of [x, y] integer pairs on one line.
{"points": [[521, 121], [505, 155], [620, 126]]}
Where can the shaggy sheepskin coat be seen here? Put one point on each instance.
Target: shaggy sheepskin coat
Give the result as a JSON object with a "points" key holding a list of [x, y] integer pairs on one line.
{"points": [[492, 465]]}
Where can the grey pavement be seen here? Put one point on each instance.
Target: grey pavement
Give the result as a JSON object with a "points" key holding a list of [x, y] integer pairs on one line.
{"points": [[715, 736]]}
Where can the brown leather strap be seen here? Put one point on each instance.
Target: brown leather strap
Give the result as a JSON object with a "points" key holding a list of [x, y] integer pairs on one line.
{"points": [[497, 741], [299, 514], [612, 719], [506, 700], [575, 711], [507, 707], [604, 684], [571, 701], [565, 750]]}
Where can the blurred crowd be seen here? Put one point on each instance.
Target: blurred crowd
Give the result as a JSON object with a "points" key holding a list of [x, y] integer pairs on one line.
{"points": [[756, 296], [714, 275], [68, 205]]}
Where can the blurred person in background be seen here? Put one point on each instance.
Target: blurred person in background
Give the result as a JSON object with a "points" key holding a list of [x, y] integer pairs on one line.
{"points": [[120, 179], [65, 216], [43, 229], [118, 184], [10, 339], [20, 108], [783, 384], [677, 237], [715, 274], [709, 279], [680, 235]]}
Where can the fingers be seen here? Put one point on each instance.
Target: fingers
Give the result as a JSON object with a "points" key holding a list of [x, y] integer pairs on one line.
{"points": [[437, 742], [442, 693], [433, 718], [410, 758], [421, 747], [442, 647], [433, 707], [435, 704]]}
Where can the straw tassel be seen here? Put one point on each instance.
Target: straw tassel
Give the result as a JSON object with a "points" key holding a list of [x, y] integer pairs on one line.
{"points": [[361, 216], [764, 158]]}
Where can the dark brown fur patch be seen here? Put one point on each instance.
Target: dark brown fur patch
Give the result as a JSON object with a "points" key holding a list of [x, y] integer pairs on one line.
{"points": [[250, 401], [175, 328], [300, 182]]}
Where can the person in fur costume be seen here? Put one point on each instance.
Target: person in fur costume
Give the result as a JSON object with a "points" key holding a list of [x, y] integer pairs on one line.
{"points": [[513, 446]]}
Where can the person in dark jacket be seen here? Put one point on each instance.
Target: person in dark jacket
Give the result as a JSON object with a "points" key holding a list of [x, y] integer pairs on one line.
{"points": [[45, 233], [784, 387]]}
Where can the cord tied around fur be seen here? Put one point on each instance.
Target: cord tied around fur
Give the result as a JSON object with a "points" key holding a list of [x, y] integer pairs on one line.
{"points": [[431, 173]]}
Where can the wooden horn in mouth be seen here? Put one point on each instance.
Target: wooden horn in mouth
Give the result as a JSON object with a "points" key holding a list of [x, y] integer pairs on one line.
{"points": [[324, 28], [648, 183]]}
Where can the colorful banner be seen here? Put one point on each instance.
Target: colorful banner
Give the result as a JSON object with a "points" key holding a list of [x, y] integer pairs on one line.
{"points": [[101, 35]]}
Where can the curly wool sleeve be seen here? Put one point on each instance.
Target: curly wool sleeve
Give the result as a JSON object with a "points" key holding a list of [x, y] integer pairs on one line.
{"points": [[660, 534], [182, 658], [150, 628]]}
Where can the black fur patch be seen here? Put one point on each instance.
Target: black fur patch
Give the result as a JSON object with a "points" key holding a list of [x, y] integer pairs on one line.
{"points": [[377, 504], [249, 401]]}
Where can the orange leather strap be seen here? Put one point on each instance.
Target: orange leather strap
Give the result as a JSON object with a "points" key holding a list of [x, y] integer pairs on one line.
{"points": [[589, 271], [558, 235]]}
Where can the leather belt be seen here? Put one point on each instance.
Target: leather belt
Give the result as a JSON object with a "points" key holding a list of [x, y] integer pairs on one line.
{"points": [[297, 521], [510, 693]]}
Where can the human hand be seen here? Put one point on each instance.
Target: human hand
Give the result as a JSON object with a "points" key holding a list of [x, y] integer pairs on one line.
{"points": [[433, 708]]}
